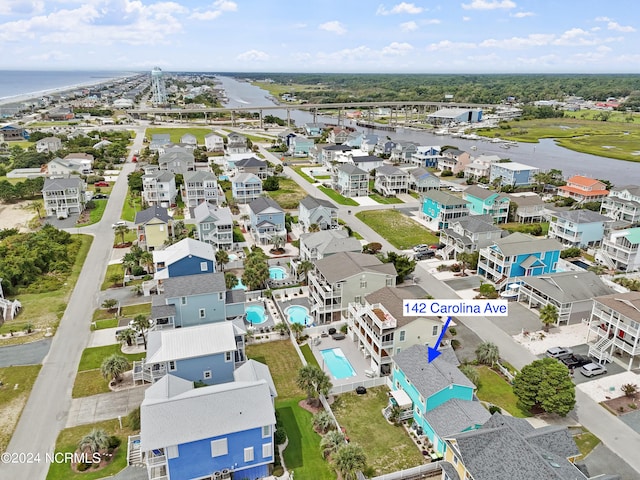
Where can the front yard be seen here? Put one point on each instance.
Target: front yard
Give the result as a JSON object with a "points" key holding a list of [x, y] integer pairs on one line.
{"points": [[388, 447], [497, 391], [398, 229], [336, 197], [17, 383], [289, 194]]}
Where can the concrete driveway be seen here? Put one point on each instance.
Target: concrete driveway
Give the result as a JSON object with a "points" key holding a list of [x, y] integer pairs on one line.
{"points": [[520, 318], [104, 406], [27, 354]]}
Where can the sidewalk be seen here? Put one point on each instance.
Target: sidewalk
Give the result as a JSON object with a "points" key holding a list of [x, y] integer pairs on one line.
{"points": [[104, 406]]}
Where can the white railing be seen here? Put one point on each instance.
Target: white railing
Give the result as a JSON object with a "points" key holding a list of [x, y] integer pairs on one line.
{"points": [[418, 472]]}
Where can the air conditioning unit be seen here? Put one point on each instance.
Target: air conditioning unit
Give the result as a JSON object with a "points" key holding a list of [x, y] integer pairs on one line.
{"points": [[216, 476], [226, 474]]}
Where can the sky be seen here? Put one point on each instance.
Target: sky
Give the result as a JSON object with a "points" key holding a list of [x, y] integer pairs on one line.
{"points": [[351, 36]]}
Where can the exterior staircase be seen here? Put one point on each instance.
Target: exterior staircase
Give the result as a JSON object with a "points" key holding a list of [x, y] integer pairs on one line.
{"points": [[600, 350], [446, 251], [134, 454], [604, 257]]}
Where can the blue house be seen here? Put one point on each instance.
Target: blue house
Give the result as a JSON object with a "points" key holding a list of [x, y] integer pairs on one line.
{"points": [[313, 129], [300, 146], [426, 156], [487, 202], [579, 228], [205, 353], [267, 220], [187, 257], [219, 431], [518, 255], [438, 397], [513, 174], [190, 300], [440, 208]]}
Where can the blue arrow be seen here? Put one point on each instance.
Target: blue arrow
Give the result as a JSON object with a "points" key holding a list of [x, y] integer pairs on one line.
{"points": [[433, 352]]}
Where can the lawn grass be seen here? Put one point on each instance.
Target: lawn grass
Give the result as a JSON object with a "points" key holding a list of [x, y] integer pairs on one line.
{"points": [[95, 214], [299, 171], [111, 269], [88, 383], [177, 133], [524, 227], [44, 310], [497, 391], [92, 357], [130, 236], [283, 362], [336, 197], [586, 442], [131, 206], [107, 323], [384, 200], [68, 442], [18, 382], [388, 447], [398, 229], [289, 194], [415, 195], [308, 355]]}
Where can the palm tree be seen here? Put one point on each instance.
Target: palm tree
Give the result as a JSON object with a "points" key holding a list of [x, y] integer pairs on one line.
{"points": [[281, 328], [297, 329], [36, 206], [313, 381], [128, 336], [113, 366], [222, 257], [94, 441], [230, 280], [331, 442], [141, 323], [244, 219], [130, 260], [122, 230], [278, 241], [146, 259], [487, 353], [548, 316], [322, 421], [349, 459], [137, 289], [305, 267]]}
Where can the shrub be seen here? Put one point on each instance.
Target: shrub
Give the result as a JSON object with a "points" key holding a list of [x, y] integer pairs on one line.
{"points": [[137, 270], [455, 344], [447, 173], [280, 436], [455, 267], [114, 442], [344, 328], [81, 467], [494, 409], [629, 389], [133, 419]]}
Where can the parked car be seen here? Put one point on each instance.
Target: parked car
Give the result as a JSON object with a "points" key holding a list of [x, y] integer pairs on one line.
{"points": [[100, 196], [593, 369], [420, 248], [424, 255], [119, 223], [576, 361], [559, 352], [101, 184]]}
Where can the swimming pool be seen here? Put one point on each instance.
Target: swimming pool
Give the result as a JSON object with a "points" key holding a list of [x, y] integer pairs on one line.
{"points": [[233, 257], [255, 314], [581, 264], [338, 364], [277, 273], [240, 285], [299, 314], [223, 177]]}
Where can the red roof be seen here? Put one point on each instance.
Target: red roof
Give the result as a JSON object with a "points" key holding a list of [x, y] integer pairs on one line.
{"points": [[584, 193], [584, 181]]}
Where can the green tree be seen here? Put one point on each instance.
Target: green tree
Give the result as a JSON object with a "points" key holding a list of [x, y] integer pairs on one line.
{"points": [[113, 366], [121, 230], [110, 303], [304, 268], [146, 261], [222, 257], [468, 260], [545, 384], [36, 206], [141, 323], [130, 260], [548, 316], [135, 182], [93, 442], [570, 252], [488, 353], [403, 264], [278, 241], [128, 336], [297, 329], [230, 280], [349, 459], [322, 421], [256, 270], [313, 381], [331, 442], [271, 184]]}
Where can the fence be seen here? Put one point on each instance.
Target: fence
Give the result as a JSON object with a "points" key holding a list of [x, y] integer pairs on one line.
{"points": [[421, 471], [368, 383], [505, 372]]}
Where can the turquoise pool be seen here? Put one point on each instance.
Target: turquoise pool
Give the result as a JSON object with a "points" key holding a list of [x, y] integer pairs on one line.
{"points": [[255, 314], [277, 273], [299, 314], [338, 364], [240, 285]]}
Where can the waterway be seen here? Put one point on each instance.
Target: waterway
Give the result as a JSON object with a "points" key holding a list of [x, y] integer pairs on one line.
{"points": [[545, 155]]}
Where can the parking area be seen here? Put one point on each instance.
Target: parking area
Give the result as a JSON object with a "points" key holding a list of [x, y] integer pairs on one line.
{"points": [[464, 283], [603, 383], [520, 319]]}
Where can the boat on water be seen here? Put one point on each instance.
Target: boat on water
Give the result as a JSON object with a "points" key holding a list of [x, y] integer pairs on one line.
{"points": [[473, 147], [504, 145]]}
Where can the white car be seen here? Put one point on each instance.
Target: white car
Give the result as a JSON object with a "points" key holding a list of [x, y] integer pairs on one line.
{"points": [[119, 223], [559, 352], [593, 369]]}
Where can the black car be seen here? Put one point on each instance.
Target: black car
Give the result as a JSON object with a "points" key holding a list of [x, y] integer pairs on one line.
{"points": [[100, 196], [576, 361], [423, 255]]}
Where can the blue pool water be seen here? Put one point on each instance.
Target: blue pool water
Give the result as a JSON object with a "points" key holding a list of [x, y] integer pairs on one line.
{"points": [[255, 314], [277, 273], [299, 314], [240, 285], [338, 364], [223, 177]]}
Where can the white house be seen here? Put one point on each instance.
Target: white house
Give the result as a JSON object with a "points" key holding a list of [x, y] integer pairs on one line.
{"points": [[48, 144], [214, 143], [200, 187], [159, 187], [317, 211], [63, 196]]}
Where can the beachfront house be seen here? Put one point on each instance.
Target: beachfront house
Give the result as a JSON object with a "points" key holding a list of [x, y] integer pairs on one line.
{"points": [[200, 187], [351, 181], [436, 395], [154, 227], [318, 245], [186, 257], [300, 146], [259, 168], [512, 174], [391, 181], [620, 250], [63, 196], [189, 139], [159, 140], [158, 187], [623, 204], [344, 278], [403, 152], [317, 211], [267, 220], [313, 129], [583, 189], [368, 143], [483, 201], [368, 163], [518, 255], [214, 225], [468, 234], [381, 330], [246, 187], [384, 147], [578, 228], [453, 160], [338, 135], [62, 166], [480, 166], [440, 208]]}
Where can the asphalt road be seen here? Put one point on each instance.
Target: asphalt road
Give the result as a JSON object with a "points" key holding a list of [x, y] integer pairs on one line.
{"points": [[48, 406], [27, 354]]}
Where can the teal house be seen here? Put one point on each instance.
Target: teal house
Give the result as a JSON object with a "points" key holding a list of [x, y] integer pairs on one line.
{"points": [[483, 201], [440, 208], [438, 397]]}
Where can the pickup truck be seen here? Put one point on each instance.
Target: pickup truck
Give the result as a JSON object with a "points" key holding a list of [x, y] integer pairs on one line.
{"points": [[576, 361]]}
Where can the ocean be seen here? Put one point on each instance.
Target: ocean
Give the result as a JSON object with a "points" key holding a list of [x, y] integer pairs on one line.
{"points": [[20, 83]]}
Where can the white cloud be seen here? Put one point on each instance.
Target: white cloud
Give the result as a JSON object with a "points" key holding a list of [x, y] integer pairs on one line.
{"points": [[523, 14], [253, 56], [347, 54], [396, 48], [54, 55], [533, 40], [431, 21], [488, 4], [449, 45], [333, 27], [466, 19], [21, 7], [217, 8], [409, 26], [620, 28], [603, 19], [400, 8]]}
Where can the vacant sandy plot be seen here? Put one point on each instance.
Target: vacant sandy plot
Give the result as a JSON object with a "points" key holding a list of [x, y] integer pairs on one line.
{"points": [[15, 215]]}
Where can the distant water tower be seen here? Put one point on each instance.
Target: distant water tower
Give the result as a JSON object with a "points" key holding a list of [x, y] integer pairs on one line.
{"points": [[158, 92]]}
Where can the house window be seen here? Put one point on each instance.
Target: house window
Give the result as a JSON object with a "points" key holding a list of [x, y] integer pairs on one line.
{"points": [[206, 374], [228, 356], [455, 460], [201, 313], [248, 454], [203, 266], [363, 283], [434, 332], [267, 451], [172, 366], [220, 296], [206, 226], [183, 300], [172, 451], [357, 299], [402, 335], [266, 431], [389, 282], [161, 228]]}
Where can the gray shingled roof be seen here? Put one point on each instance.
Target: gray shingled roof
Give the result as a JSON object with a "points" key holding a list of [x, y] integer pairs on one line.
{"points": [[57, 183], [518, 243], [455, 416], [391, 298], [347, 264], [421, 173], [581, 216], [311, 202], [261, 204], [482, 193], [243, 177], [350, 169], [365, 159], [444, 198], [150, 213], [476, 223], [194, 284], [251, 162], [526, 200], [568, 287], [627, 303], [388, 170], [632, 189], [198, 176], [163, 311], [235, 296], [328, 242], [429, 378]]}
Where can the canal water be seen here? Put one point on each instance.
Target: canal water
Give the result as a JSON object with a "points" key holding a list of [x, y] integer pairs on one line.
{"points": [[544, 155]]}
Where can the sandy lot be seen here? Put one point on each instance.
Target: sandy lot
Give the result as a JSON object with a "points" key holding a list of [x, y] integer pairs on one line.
{"points": [[15, 215]]}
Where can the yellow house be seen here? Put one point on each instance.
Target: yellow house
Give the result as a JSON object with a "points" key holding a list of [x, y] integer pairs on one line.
{"points": [[154, 227], [508, 448]]}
